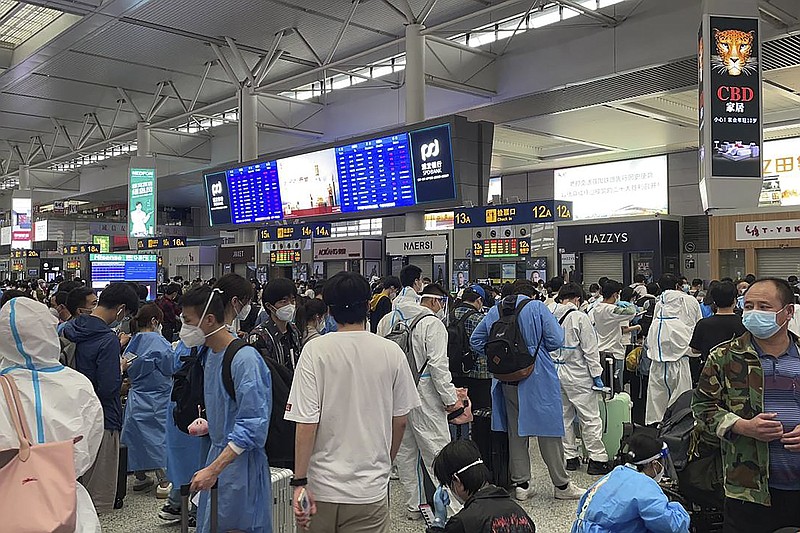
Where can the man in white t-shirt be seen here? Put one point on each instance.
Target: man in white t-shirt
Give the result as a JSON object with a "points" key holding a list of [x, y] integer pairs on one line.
{"points": [[351, 395], [611, 321]]}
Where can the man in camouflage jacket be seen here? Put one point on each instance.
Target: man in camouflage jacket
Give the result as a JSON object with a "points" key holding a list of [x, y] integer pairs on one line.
{"points": [[729, 402]]}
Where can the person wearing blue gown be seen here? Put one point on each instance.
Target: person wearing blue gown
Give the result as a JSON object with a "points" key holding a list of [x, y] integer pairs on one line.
{"points": [[238, 427], [629, 498], [144, 425]]}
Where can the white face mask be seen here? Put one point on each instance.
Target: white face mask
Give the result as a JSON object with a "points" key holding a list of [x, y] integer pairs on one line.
{"points": [[285, 313], [158, 328], [658, 477], [320, 326], [192, 336], [244, 312]]}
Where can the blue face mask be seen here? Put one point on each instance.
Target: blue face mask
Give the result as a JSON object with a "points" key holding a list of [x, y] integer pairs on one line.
{"points": [[762, 324]]}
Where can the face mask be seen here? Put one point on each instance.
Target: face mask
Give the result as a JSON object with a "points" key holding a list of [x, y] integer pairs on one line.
{"points": [[244, 313], [158, 328], [320, 326], [440, 314], [192, 336], [658, 477], [285, 313], [762, 324], [686, 288]]}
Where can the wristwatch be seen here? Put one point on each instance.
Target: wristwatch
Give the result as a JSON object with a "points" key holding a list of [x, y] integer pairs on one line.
{"points": [[298, 482]]}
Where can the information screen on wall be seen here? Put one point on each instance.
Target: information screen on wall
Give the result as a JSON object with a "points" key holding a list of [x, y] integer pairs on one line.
{"points": [[108, 268], [618, 189], [142, 202], [400, 170], [781, 173], [735, 98], [21, 223]]}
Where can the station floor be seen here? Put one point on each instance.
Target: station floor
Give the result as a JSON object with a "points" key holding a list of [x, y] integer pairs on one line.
{"points": [[139, 515]]}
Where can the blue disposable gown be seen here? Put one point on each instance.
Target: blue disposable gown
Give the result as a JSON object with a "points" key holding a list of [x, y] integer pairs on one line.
{"points": [[540, 394], [185, 454], [245, 496], [627, 501], [144, 426]]}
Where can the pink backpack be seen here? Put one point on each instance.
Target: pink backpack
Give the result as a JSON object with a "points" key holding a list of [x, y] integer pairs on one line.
{"points": [[37, 483]]}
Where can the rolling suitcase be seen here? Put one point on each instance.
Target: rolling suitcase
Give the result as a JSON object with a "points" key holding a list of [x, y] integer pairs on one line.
{"points": [[493, 446], [282, 512], [185, 493], [615, 411], [122, 477]]}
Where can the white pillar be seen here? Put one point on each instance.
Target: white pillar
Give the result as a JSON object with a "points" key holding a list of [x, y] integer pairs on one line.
{"points": [[248, 129], [415, 74], [143, 139], [24, 177]]}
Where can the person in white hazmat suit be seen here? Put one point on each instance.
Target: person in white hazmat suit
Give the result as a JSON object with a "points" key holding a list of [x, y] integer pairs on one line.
{"points": [[59, 403], [427, 431], [579, 370], [674, 318]]}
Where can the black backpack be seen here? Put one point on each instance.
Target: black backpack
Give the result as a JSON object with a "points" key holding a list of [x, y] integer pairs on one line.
{"points": [[459, 352], [188, 385], [507, 355]]}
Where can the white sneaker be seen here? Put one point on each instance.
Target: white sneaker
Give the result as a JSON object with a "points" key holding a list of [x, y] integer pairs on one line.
{"points": [[162, 491], [570, 493], [521, 494]]}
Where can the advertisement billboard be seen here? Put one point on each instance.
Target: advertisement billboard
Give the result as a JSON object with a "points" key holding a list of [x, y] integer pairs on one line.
{"points": [[141, 201], [781, 166], [618, 189], [21, 223]]}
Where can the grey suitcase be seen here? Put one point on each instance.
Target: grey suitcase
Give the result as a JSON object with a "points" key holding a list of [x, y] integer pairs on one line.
{"points": [[282, 512]]}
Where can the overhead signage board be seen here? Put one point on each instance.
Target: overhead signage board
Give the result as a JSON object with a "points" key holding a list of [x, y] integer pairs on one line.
{"points": [[735, 94], [507, 215], [21, 223], [142, 198], [284, 257], [104, 241], [500, 248], [295, 232], [394, 171], [21, 254], [159, 243], [76, 249], [781, 166], [618, 189], [764, 230], [421, 245]]}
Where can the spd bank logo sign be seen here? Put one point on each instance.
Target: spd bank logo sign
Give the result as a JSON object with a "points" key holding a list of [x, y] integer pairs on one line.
{"points": [[430, 150], [433, 164]]}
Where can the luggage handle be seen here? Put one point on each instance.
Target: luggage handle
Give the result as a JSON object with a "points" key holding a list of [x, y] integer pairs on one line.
{"points": [[185, 493], [609, 392]]}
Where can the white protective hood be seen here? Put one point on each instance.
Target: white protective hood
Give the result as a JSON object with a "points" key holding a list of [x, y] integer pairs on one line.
{"points": [[28, 333], [674, 318]]}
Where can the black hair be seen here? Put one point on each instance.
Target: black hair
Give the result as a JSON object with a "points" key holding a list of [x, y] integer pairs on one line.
{"points": [[172, 288], [785, 292], [697, 281], [470, 296], [524, 287], [627, 294], [434, 289], [77, 299], [140, 290], [409, 274], [641, 446], [727, 279], [60, 297], [119, 293], [668, 282], [639, 278], [455, 456], [306, 308], [568, 291], [67, 286], [277, 289], [594, 287], [723, 293], [427, 280], [391, 281], [507, 289], [792, 279], [347, 296], [554, 285], [147, 313], [602, 281], [10, 295], [751, 278], [653, 288], [610, 287], [234, 285], [197, 299]]}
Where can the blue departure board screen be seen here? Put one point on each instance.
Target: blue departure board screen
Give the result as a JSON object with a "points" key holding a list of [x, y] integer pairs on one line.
{"points": [[375, 174], [254, 193], [400, 170]]}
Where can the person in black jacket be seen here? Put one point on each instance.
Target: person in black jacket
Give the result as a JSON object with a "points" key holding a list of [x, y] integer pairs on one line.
{"points": [[487, 508]]}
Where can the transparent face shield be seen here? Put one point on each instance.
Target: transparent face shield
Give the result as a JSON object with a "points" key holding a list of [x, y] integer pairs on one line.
{"points": [[665, 460]]}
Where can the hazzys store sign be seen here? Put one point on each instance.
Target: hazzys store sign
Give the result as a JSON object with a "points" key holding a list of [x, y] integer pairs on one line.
{"points": [[735, 98]]}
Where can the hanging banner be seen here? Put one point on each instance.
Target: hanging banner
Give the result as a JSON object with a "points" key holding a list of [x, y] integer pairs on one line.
{"points": [[142, 197], [735, 94]]}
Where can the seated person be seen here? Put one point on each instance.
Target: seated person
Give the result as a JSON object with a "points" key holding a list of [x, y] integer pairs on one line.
{"points": [[629, 499], [486, 508]]}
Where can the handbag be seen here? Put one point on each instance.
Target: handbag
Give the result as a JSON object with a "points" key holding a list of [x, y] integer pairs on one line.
{"points": [[462, 415], [37, 485]]}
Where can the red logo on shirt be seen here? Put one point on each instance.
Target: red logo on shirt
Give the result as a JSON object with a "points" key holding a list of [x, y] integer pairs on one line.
{"points": [[288, 408]]}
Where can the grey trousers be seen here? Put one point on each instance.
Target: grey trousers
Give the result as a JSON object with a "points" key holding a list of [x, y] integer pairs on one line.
{"points": [[101, 478], [551, 448]]}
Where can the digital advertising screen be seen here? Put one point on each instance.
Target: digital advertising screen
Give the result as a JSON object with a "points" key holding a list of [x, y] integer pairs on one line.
{"points": [[142, 202], [108, 268], [21, 223], [781, 162], [618, 189], [400, 170]]}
